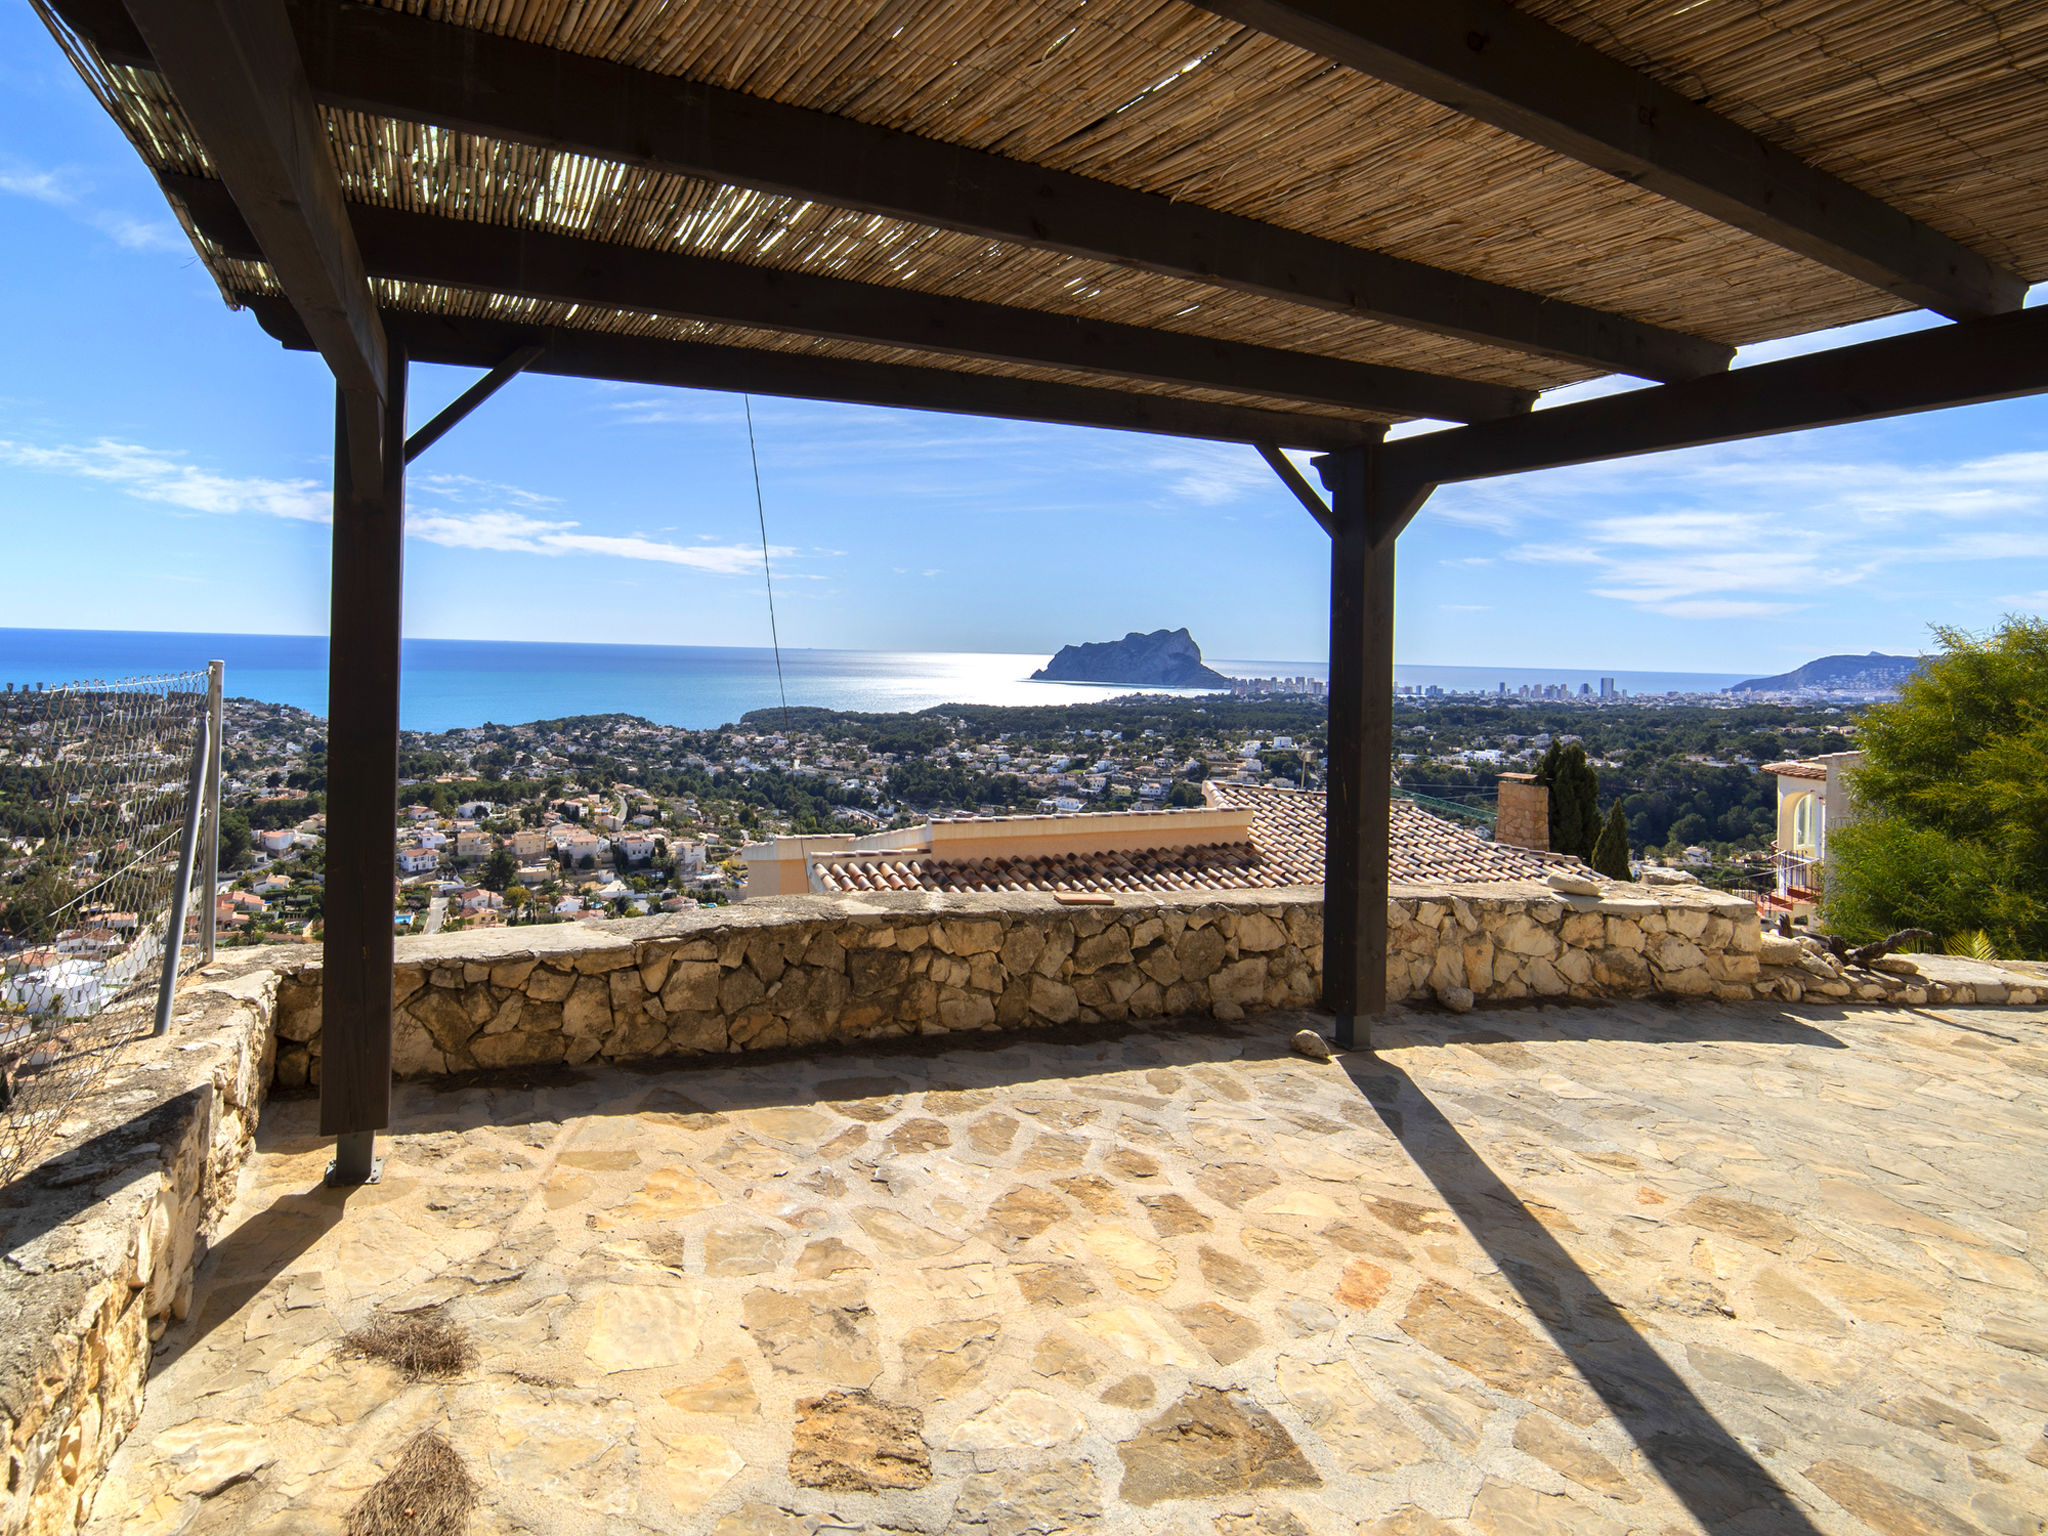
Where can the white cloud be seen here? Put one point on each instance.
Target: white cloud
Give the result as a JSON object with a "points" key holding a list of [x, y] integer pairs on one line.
{"points": [[680, 408], [468, 487], [1755, 530], [154, 476], [518, 533], [124, 229], [162, 477], [1715, 608], [1212, 474], [40, 185]]}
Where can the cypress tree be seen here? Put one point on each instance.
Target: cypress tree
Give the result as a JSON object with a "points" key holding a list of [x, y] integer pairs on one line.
{"points": [[1610, 854], [1574, 799]]}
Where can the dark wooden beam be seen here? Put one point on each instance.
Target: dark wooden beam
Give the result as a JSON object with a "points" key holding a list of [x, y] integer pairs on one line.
{"points": [[1293, 479], [234, 67], [461, 253], [362, 783], [452, 414], [384, 61], [392, 64], [570, 353], [1491, 62], [1965, 363], [108, 27], [1368, 511]]}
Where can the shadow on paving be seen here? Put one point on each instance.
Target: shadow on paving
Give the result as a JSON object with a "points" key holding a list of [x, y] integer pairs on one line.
{"points": [[1637, 1023], [1705, 1466], [1721, 1483], [241, 1264], [849, 1071]]}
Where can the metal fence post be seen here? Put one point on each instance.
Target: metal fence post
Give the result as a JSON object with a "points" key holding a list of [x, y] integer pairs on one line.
{"points": [[181, 888], [215, 672]]}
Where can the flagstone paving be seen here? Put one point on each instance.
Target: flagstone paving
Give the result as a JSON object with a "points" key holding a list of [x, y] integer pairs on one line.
{"points": [[1608, 1271]]}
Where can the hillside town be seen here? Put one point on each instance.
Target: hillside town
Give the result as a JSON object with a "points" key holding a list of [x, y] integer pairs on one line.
{"points": [[599, 817]]}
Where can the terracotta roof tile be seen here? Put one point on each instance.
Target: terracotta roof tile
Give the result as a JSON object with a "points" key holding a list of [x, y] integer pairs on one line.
{"points": [[1796, 770], [1287, 827], [1286, 849], [1216, 867]]}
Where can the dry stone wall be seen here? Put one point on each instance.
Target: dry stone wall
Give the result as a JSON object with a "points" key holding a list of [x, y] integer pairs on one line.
{"points": [[1492, 943], [98, 1244], [804, 971], [809, 970]]}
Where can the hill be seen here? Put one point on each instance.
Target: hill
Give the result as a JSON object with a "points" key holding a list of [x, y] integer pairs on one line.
{"points": [[1166, 658], [1871, 672]]}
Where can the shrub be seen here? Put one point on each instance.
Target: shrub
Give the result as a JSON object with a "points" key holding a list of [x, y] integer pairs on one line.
{"points": [[1952, 821], [1574, 799], [1610, 853]]}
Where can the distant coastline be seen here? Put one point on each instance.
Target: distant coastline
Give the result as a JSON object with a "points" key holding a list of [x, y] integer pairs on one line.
{"points": [[454, 683]]}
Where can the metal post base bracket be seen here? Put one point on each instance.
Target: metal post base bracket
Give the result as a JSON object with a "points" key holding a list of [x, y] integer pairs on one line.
{"points": [[354, 1162], [1352, 1032]]}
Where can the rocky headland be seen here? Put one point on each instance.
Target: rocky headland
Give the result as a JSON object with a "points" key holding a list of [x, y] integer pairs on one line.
{"points": [[1166, 658]]}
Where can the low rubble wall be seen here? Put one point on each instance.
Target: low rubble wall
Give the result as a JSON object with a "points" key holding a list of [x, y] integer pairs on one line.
{"points": [[1802, 970], [99, 1243], [795, 971]]}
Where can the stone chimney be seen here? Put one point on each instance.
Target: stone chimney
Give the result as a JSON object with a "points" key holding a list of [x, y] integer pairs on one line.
{"points": [[1522, 812]]}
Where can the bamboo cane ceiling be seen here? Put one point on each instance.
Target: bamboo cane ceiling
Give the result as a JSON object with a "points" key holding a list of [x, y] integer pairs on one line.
{"points": [[1940, 109]]}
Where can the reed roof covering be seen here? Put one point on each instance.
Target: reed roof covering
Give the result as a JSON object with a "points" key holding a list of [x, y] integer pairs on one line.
{"points": [[1937, 107]]}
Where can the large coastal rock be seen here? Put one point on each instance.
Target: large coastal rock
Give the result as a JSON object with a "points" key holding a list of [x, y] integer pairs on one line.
{"points": [[1166, 658]]}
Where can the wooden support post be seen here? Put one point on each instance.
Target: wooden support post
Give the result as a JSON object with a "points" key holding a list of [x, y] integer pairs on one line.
{"points": [[362, 784], [1368, 514]]}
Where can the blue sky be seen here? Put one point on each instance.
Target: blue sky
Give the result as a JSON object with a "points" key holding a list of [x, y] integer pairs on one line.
{"points": [[163, 465]]}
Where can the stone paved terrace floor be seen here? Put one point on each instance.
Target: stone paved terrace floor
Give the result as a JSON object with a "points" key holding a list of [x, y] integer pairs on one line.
{"points": [[1597, 1271]]}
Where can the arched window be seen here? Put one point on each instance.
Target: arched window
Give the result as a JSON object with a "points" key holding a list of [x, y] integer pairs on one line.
{"points": [[1805, 821]]}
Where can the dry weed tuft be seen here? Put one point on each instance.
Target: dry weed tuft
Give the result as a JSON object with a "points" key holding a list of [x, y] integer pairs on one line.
{"points": [[419, 1346], [429, 1493]]}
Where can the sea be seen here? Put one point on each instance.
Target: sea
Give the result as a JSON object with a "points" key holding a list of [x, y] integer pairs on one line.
{"points": [[447, 684]]}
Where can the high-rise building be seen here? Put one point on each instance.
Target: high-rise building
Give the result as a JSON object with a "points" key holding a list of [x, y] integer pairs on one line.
{"points": [[1606, 687]]}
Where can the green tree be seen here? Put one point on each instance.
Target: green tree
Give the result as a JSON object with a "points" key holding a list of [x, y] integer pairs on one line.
{"points": [[26, 909], [234, 839], [500, 870], [1574, 799], [1610, 853], [1951, 824]]}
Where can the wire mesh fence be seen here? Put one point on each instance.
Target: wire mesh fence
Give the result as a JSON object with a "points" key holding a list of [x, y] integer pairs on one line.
{"points": [[101, 788]]}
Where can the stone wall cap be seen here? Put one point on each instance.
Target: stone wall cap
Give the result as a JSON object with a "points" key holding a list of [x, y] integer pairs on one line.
{"points": [[1960, 970]]}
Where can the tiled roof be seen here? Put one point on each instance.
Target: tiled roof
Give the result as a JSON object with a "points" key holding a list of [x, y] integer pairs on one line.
{"points": [[1796, 770], [1287, 827], [1286, 849], [1217, 867]]}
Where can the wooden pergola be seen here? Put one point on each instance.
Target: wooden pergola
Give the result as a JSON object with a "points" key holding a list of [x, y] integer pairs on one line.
{"points": [[1286, 223]]}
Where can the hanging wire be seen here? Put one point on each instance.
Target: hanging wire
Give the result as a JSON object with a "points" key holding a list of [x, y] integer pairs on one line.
{"points": [[774, 635], [761, 511]]}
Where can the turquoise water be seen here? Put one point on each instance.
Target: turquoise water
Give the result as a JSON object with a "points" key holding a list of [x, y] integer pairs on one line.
{"points": [[451, 683]]}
